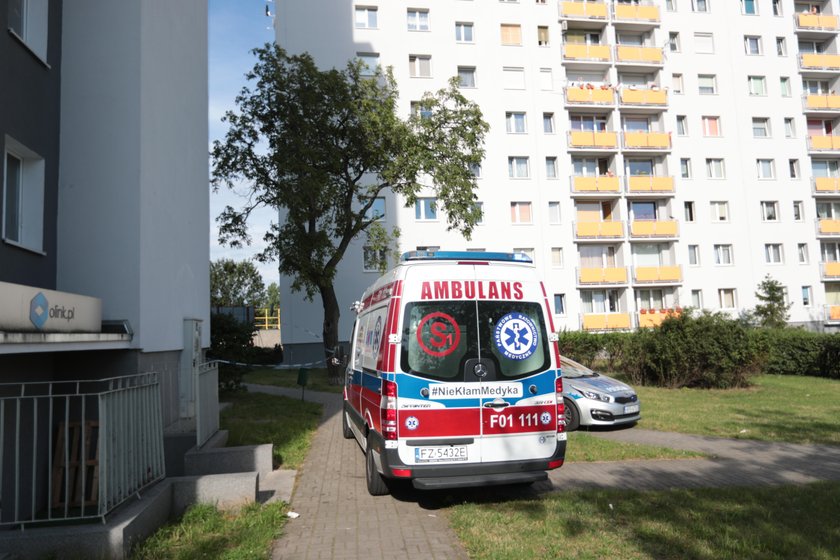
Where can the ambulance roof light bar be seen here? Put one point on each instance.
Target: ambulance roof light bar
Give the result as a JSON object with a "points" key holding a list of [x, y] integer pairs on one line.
{"points": [[464, 255]]}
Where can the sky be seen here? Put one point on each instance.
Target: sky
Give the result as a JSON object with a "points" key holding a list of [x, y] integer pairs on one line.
{"points": [[235, 28]]}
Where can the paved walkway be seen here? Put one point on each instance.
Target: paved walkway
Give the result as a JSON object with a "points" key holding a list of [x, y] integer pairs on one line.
{"points": [[338, 519]]}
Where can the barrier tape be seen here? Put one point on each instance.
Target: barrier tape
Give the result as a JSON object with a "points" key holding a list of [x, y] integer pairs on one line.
{"points": [[274, 366]]}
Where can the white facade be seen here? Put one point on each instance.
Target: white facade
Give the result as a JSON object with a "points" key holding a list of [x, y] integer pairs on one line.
{"points": [[692, 133]]}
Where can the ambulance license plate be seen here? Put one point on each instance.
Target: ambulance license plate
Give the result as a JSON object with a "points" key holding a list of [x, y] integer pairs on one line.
{"points": [[440, 454], [631, 408]]}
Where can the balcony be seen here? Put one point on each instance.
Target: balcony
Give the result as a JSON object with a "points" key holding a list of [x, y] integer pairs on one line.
{"points": [[653, 229], [599, 230], [819, 62], [602, 276], [585, 96], [815, 22], [635, 13], [828, 227], [648, 318], [605, 321], [647, 56], [585, 139], [657, 98], [657, 274], [583, 10], [647, 141], [830, 271], [821, 103], [598, 186], [586, 53], [824, 143], [648, 184], [832, 314], [826, 186]]}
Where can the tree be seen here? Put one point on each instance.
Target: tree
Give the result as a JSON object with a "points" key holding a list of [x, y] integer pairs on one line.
{"points": [[772, 311], [321, 147], [235, 284], [272, 296]]}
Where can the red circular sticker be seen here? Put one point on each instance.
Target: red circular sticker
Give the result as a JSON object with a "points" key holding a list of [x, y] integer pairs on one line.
{"points": [[442, 336]]}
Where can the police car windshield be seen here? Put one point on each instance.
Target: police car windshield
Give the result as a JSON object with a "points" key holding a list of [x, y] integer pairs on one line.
{"points": [[572, 370], [445, 339]]}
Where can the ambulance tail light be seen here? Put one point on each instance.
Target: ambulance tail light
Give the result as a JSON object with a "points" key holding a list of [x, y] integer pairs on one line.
{"points": [[561, 408], [388, 410]]}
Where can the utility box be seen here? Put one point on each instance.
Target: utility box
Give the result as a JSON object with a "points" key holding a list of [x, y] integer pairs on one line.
{"points": [[190, 360]]}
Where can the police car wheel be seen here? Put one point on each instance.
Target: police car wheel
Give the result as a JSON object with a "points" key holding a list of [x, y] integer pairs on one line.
{"points": [[375, 483], [345, 426], [572, 416]]}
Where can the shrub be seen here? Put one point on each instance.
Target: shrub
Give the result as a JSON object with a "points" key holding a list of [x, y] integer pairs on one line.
{"points": [[828, 361], [789, 351], [231, 340], [581, 346]]}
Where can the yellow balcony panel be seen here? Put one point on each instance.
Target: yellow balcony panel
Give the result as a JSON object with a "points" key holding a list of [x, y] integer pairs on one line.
{"points": [[647, 140], [618, 321], [829, 226], [657, 274], [834, 312], [831, 270], [820, 61], [598, 230], [827, 184], [644, 97], [596, 96], [586, 52], [588, 139], [613, 275], [595, 184], [653, 228], [653, 317], [649, 184], [647, 55], [592, 10], [605, 321], [816, 21], [824, 142], [606, 140], [630, 12], [819, 101]]}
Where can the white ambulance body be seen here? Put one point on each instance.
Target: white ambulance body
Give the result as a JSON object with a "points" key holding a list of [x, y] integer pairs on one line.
{"points": [[454, 374]]}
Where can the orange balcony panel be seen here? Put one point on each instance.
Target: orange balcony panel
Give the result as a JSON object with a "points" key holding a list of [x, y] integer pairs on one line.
{"points": [[606, 140], [651, 140], [605, 321], [596, 95], [654, 317], [595, 184], [834, 312], [586, 52], [816, 21], [644, 97], [618, 320], [830, 226], [657, 274], [587, 139], [636, 12], [653, 228], [815, 101], [824, 142], [615, 275], [831, 270], [826, 184], [594, 10], [820, 61], [596, 230], [647, 55], [648, 184]]}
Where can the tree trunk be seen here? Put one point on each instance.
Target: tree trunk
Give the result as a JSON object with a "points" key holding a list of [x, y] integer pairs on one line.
{"points": [[331, 316]]}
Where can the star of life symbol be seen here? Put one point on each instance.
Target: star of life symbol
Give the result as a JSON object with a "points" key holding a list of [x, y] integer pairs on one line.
{"points": [[412, 423], [545, 417], [516, 336]]}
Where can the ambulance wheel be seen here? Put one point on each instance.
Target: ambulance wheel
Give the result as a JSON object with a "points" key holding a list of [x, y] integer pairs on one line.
{"points": [[375, 482], [345, 426], [572, 416]]}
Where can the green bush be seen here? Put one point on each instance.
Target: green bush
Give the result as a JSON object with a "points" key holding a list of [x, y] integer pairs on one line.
{"points": [[231, 340], [828, 362], [789, 351], [581, 346]]}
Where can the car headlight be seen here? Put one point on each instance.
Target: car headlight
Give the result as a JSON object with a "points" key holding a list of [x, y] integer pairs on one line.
{"points": [[594, 396]]}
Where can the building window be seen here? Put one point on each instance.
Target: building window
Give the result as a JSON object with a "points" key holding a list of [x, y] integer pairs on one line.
{"points": [[370, 63], [479, 207], [418, 20], [714, 168], [769, 211], [674, 41], [515, 122], [689, 210], [377, 209], [420, 66], [513, 77], [366, 17], [704, 43], [551, 168], [23, 197], [28, 20], [723, 254], [773, 253], [671, 5], [781, 46], [546, 79], [375, 260], [554, 213], [707, 84], [697, 299], [557, 257], [559, 304], [761, 127], [475, 169], [685, 168], [726, 296], [790, 128], [463, 32], [784, 84], [752, 45], [418, 109], [511, 34], [793, 168], [748, 7], [802, 252], [798, 211], [711, 126], [466, 76], [677, 83], [425, 209], [682, 127], [699, 5], [757, 85], [766, 169], [806, 296], [520, 212], [777, 7], [548, 123], [518, 167], [694, 255], [720, 210], [542, 36]]}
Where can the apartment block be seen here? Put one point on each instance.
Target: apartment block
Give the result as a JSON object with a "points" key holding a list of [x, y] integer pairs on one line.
{"points": [[648, 155]]}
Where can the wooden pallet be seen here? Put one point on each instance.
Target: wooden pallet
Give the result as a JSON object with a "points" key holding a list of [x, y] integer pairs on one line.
{"points": [[76, 470]]}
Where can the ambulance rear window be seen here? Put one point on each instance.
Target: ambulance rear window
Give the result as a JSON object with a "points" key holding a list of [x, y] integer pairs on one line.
{"points": [[439, 338]]}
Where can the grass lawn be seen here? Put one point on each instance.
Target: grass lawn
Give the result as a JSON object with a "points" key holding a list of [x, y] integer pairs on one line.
{"points": [[583, 447], [289, 377], [776, 408], [708, 524]]}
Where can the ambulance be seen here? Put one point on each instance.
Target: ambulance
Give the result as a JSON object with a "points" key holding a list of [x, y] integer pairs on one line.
{"points": [[453, 376]]}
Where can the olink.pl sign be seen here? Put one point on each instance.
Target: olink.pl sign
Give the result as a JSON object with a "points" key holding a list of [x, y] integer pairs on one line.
{"points": [[26, 309]]}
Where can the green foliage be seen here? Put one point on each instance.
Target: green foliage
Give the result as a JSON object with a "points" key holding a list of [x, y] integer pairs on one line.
{"points": [[828, 362], [272, 297], [231, 340], [234, 284], [772, 311], [799, 352], [581, 346]]}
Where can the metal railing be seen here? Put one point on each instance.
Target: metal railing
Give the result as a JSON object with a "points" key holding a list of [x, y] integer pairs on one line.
{"points": [[265, 319], [207, 402], [74, 450]]}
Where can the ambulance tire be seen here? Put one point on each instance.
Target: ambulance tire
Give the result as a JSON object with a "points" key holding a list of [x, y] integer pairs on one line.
{"points": [[375, 482], [345, 426], [572, 416]]}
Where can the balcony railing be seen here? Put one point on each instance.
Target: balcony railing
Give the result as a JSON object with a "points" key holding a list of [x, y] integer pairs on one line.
{"points": [[646, 140], [824, 143], [596, 95], [609, 275], [644, 97], [636, 13], [827, 185], [596, 185], [818, 61], [78, 449], [593, 140], [821, 102], [657, 274], [832, 314], [653, 229], [649, 184], [828, 227], [816, 22], [599, 230], [830, 270], [586, 53], [648, 318], [605, 321], [641, 55], [583, 10]]}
